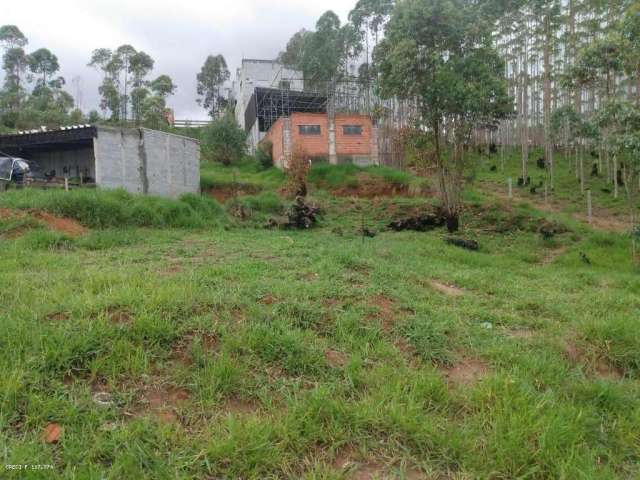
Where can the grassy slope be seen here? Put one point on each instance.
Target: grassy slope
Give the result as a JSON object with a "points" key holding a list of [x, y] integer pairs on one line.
{"points": [[300, 353]]}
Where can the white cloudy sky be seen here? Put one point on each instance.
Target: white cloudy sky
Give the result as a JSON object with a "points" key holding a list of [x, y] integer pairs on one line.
{"points": [[177, 34]]}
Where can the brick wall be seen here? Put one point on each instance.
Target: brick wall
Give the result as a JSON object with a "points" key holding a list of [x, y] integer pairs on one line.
{"points": [[275, 135], [318, 145]]}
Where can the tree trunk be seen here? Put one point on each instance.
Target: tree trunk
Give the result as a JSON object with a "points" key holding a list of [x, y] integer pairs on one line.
{"points": [[548, 145], [581, 170], [615, 176]]}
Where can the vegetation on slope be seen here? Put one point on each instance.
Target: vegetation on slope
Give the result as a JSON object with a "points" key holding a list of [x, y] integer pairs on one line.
{"points": [[252, 353]]}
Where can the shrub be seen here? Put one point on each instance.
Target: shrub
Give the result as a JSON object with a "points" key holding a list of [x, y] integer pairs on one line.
{"points": [[264, 154], [224, 141]]}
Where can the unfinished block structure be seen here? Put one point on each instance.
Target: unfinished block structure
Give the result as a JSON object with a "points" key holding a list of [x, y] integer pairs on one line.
{"points": [[135, 159]]}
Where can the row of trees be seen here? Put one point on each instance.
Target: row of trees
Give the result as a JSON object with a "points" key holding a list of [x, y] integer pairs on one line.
{"points": [[558, 74], [126, 92], [32, 93]]}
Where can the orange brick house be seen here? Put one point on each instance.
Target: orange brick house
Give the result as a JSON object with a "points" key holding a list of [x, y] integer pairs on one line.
{"points": [[355, 139]]}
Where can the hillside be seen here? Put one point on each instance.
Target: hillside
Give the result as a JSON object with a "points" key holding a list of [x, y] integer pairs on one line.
{"points": [[149, 338]]}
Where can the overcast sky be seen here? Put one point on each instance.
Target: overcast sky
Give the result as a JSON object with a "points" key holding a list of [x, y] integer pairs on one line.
{"points": [[177, 34]]}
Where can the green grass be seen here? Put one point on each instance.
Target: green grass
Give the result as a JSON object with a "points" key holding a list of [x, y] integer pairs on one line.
{"points": [[347, 175], [101, 209], [248, 173], [293, 350]]}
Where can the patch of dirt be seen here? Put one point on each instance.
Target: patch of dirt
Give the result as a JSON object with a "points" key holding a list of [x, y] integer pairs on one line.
{"points": [[386, 310], [370, 186], [8, 214], [119, 315], [224, 193], [467, 372], [237, 406], [162, 402], [604, 370], [182, 348], [447, 289], [63, 225], [599, 367], [57, 316], [552, 255], [268, 300], [336, 359], [409, 352], [358, 470], [51, 433]]}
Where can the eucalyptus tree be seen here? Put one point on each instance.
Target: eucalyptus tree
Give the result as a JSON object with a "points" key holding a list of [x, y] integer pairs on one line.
{"points": [[122, 58], [631, 38], [438, 52], [44, 64], [549, 11], [623, 123], [213, 75], [140, 65], [109, 64], [14, 64]]}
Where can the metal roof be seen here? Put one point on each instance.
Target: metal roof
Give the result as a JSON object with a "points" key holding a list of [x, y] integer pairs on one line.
{"points": [[65, 135]]}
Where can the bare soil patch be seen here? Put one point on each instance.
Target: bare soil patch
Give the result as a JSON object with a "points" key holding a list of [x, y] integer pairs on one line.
{"points": [[467, 372], [162, 402], [119, 315], [238, 406], [370, 186], [345, 461], [268, 300], [551, 255], [386, 310], [182, 348], [336, 359], [63, 225], [57, 316], [597, 367], [447, 289], [224, 193]]}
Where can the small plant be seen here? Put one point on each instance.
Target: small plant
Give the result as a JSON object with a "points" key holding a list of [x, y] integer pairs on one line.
{"points": [[297, 172]]}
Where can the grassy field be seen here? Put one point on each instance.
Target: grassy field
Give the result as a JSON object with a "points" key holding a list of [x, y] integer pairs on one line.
{"points": [[186, 343]]}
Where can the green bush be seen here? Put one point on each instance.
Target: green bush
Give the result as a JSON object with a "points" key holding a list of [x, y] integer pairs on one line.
{"points": [[224, 141], [264, 154], [117, 208]]}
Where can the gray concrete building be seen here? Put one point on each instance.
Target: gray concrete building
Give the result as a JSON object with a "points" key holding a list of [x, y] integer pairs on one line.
{"points": [[138, 160]]}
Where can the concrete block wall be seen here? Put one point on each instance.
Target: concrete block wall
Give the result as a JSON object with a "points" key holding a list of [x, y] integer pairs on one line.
{"points": [[67, 163], [147, 161]]}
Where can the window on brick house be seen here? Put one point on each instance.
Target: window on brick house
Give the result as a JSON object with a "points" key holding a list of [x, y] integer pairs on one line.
{"points": [[309, 129], [352, 129], [285, 85]]}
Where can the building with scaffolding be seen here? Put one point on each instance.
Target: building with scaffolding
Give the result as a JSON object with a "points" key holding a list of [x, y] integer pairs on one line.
{"points": [[253, 75], [265, 91]]}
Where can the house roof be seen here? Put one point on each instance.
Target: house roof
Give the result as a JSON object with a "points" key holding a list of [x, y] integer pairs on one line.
{"points": [[43, 138]]}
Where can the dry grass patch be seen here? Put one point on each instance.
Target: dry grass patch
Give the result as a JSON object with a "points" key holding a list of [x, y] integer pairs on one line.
{"points": [[447, 289]]}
